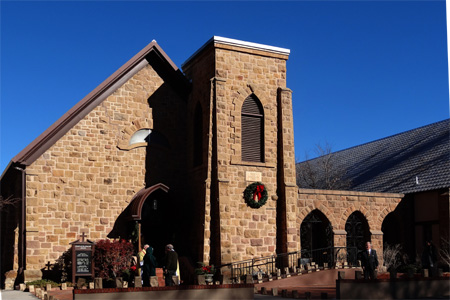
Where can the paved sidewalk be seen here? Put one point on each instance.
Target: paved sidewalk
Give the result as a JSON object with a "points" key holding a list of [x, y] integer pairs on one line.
{"points": [[19, 295], [16, 295], [316, 283]]}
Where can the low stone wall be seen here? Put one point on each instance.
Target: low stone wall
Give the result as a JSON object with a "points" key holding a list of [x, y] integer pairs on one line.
{"points": [[10, 277], [225, 291], [393, 289]]}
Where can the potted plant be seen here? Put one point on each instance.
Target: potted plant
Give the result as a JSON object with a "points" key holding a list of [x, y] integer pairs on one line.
{"points": [[206, 271]]}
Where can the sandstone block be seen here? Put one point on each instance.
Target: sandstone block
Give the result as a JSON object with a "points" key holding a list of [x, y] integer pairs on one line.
{"points": [[251, 233], [256, 242]]}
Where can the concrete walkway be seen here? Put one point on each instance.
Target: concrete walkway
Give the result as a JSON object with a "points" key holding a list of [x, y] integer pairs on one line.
{"points": [[55, 292], [16, 295], [316, 283]]}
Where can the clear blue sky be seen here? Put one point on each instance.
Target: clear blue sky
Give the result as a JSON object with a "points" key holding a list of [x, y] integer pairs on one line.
{"points": [[359, 70]]}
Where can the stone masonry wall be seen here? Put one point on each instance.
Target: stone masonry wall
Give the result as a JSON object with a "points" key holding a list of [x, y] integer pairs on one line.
{"points": [[287, 164], [337, 206], [83, 182]]}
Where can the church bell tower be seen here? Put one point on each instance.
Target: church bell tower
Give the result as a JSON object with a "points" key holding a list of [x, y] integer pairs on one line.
{"points": [[241, 149]]}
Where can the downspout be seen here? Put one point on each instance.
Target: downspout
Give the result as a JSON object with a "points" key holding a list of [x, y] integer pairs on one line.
{"points": [[22, 223], [215, 239]]}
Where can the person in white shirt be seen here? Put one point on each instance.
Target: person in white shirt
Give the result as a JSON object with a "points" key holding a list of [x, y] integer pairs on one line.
{"points": [[369, 262]]}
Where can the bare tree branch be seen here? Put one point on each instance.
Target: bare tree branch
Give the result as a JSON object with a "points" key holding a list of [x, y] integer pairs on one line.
{"points": [[393, 256], [322, 172], [444, 251], [8, 202]]}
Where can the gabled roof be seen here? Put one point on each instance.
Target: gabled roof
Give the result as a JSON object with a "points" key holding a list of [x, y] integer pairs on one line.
{"points": [[413, 161], [152, 54]]}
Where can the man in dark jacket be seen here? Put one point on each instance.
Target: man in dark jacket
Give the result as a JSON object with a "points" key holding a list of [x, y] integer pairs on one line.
{"points": [[170, 263], [369, 261], [429, 257]]}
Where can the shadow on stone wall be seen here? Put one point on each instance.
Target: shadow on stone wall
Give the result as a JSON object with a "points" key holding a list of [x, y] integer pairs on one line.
{"points": [[61, 270]]}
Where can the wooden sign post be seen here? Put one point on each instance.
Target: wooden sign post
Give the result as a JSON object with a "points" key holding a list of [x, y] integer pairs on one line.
{"points": [[82, 258]]}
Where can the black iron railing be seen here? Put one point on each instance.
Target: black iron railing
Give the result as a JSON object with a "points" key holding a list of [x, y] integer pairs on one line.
{"points": [[269, 264]]}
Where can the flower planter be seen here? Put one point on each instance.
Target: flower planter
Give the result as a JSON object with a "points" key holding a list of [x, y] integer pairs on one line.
{"points": [[209, 278], [205, 274]]}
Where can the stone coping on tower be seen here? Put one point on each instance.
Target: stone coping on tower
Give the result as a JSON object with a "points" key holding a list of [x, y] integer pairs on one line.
{"points": [[251, 47]]}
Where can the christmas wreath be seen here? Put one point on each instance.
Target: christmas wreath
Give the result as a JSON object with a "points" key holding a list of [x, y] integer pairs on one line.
{"points": [[255, 195]]}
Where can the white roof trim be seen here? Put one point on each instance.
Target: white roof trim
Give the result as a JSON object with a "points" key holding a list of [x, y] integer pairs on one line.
{"points": [[249, 45], [243, 44]]}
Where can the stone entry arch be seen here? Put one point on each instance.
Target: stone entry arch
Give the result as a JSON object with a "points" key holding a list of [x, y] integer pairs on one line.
{"points": [[146, 217], [140, 198], [150, 209], [157, 223], [358, 233], [316, 232], [391, 229]]}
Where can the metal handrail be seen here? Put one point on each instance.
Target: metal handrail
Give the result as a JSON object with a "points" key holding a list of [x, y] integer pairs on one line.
{"points": [[269, 264]]}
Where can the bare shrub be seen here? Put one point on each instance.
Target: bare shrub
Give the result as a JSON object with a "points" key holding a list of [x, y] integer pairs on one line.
{"points": [[444, 251], [393, 256]]}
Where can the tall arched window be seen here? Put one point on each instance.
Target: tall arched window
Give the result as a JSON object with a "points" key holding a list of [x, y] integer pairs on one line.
{"points": [[198, 135], [252, 116]]}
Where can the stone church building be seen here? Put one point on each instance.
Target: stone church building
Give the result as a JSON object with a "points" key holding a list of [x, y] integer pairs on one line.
{"points": [[169, 153]]}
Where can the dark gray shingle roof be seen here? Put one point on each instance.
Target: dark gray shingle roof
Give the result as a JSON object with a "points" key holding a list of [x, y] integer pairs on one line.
{"points": [[413, 161]]}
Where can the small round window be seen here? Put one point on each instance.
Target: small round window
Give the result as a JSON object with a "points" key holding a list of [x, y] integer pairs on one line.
{"points": [[140, 136]]}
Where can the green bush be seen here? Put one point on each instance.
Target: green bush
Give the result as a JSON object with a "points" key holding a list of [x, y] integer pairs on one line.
{"points": [[42, 283]]}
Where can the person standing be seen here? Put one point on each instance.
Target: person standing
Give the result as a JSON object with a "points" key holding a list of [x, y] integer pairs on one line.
{"points": [[141, 255], [149, 266], [170, 263], [429, 257], [369, 262]]}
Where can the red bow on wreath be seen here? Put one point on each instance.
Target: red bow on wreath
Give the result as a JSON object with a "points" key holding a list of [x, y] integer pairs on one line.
{"points": [[258, 191]]}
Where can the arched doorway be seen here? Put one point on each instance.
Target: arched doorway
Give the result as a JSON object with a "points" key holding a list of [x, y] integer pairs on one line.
{"points": [[358, 234], [316, 235], [147, 220], [150, 210], [157, 226]]}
